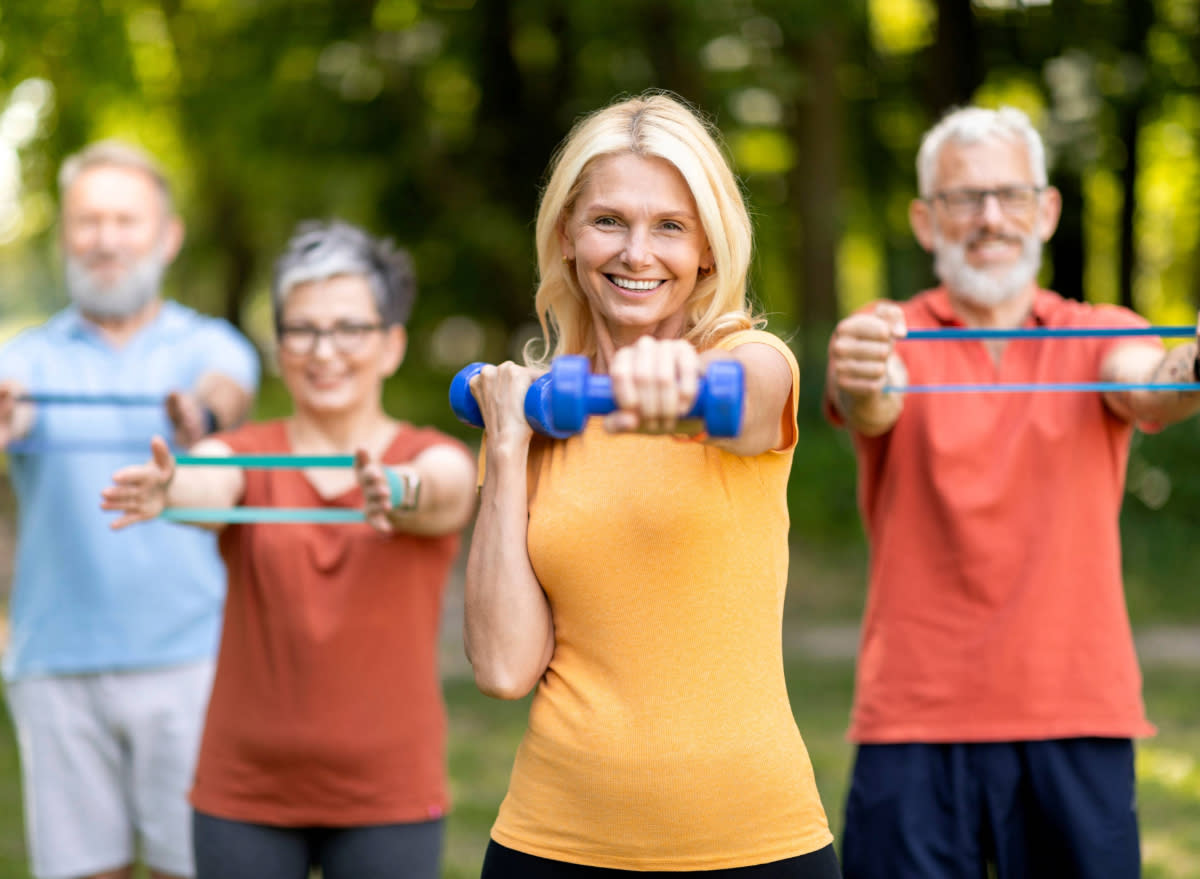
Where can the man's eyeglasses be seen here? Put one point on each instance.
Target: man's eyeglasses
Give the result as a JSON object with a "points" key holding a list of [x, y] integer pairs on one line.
{"points": [[347, 337], [1015, 199]]}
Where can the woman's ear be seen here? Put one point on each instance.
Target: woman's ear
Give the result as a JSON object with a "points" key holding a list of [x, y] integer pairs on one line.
{"points": [[395, 346], [565, 242]]}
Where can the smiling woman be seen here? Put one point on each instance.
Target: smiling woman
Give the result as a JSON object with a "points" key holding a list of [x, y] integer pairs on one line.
{"points": [[325, 737], [636, 582], [637, 245]]}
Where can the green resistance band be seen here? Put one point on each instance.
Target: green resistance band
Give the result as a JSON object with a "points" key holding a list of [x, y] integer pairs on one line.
{"points": [[239, 515], [265, 462], [320, 515]]}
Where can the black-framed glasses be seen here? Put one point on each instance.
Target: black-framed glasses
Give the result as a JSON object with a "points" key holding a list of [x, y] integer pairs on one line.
{"points": [[1014, 199], [347, 337]]}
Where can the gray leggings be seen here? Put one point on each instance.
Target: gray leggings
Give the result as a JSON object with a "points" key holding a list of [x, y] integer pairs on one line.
{"points": [[240, 850]]}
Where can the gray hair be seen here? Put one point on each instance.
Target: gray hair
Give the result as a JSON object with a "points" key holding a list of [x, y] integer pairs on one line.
{"points": [[322, 249], [114, 154], [967, 125]]}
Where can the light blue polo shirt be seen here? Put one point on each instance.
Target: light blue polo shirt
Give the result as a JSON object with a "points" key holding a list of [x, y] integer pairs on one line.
{"points": [[86, 598]]}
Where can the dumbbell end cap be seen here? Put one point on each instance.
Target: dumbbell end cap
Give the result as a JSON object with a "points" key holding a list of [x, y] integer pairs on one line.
{"points": [[462, 402]]}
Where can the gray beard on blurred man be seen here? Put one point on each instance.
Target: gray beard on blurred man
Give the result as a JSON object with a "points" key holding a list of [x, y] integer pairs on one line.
{"points": [[122, 298], [980, 287]]}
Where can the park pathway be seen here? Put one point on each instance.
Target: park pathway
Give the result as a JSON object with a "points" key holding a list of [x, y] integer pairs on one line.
{"points": [[1158, 645]]}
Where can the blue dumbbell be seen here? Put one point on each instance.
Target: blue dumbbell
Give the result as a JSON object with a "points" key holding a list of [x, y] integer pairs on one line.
{"points": [[558, 403], [565, 397], [466, 407], [462, 401]]}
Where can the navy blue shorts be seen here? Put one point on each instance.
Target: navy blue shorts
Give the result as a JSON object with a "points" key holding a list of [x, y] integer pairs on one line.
{"points": [[1058, 808]]}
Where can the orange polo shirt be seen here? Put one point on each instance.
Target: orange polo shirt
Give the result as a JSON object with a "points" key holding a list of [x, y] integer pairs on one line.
{"points": [[996, 609]]}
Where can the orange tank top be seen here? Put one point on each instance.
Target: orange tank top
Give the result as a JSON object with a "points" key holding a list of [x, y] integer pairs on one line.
{"points": [[661, 736]]}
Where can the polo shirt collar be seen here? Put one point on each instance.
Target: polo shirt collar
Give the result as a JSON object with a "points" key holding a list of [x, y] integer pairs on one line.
{"points": [[170, 317], [942, 309]]}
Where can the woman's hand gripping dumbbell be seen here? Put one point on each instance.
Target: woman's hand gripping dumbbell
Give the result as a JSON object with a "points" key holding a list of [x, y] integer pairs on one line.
{"points": [[558, 403]]}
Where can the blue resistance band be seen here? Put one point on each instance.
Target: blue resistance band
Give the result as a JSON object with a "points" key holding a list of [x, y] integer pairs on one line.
{"points": [[950, 333], [84, 446], [1025, 387], [82, 399]]}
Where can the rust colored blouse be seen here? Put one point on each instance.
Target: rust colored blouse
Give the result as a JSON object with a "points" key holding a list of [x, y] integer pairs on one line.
{"points": [[326, 708]]}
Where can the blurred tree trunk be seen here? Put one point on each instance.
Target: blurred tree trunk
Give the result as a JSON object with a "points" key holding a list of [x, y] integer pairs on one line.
{"points": [[518, 131], [1130, 111], [815, 183], [672, 69], [222, 199], [232, 239], [1129, 124], [1067, 247], [955, 68]]}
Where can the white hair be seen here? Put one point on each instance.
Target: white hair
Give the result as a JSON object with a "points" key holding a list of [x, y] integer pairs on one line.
{"points": [[968, 125], [322, 249], [114, 154]]}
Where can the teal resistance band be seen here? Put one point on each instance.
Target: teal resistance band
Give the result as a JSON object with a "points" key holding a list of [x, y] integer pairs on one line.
{"points": [[396, 485], [239, 515], [265, 462], [319, 515]]}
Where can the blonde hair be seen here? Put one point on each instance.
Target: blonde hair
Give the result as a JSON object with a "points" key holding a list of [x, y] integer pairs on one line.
{"points": [[655, 125]]}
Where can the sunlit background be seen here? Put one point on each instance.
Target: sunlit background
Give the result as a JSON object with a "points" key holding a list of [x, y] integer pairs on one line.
{"points": [[432, 122]]}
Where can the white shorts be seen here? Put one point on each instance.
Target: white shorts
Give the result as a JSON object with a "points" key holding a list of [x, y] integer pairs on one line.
{"points": [[107, 760]]}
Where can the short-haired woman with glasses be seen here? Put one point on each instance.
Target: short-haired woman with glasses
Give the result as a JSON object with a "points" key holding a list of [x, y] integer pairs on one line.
{"points": [[325, 738]]}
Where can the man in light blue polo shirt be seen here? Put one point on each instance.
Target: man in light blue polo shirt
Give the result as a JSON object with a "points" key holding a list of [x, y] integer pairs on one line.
{"points": [[113, 635]]}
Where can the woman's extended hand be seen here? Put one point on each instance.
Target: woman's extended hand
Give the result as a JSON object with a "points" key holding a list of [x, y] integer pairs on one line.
{"points": [[378, 502], [140, 491], [654, 382]]}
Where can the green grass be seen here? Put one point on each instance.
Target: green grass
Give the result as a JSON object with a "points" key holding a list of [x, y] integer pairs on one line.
{"points": [[485, 733]]}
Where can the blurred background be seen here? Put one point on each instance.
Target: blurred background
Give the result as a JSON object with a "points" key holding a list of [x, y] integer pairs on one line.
{"points": [[432, 121]]}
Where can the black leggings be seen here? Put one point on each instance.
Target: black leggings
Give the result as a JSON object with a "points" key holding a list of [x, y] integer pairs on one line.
{"points": [[240, 850], [504, 863]]}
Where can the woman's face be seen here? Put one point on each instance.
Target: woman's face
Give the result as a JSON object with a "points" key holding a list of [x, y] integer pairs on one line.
{"points": [[637, 245], [334, 351]]}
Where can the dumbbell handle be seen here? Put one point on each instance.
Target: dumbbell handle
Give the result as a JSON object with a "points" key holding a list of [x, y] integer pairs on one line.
{"points": [[569, 393], [466, 407]]}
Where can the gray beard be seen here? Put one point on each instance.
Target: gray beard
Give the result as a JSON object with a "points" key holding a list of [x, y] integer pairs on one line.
{"points": [[984, 288], [123, 298]]}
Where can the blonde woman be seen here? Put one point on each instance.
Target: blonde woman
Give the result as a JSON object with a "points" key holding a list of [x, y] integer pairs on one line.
{"points": [[634, 575]]}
